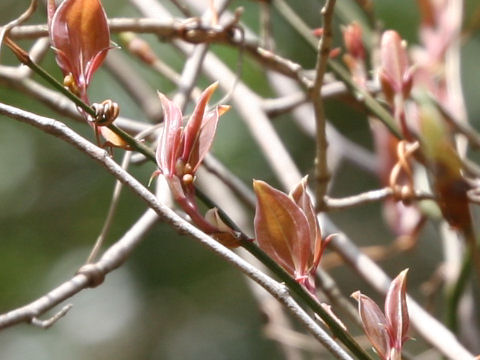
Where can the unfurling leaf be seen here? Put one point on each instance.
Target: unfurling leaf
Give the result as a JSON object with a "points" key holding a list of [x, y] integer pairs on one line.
{"points": [[396, 310], [374, 324], [396, 77], [81, 38], [387, 332], [282, 229], [169, 145], [200, 130], [352, 37], [181, 151], [286, 227]]}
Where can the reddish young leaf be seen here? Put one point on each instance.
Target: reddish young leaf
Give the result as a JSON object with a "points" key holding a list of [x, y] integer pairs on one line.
{"points": [[80, 35], [352, 37], [388, 332], [303, 200], [396, 76], [170, 141], [180, 152], [374, 324], [203, 142], [193, 129], [282, 229], [396, 310]]}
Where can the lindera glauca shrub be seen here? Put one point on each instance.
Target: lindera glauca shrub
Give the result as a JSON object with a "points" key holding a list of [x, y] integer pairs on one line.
{"points": [[320, 148]]}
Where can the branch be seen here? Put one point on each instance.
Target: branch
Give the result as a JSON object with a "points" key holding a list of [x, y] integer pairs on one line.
{"points": [[370, 197], [45, 324], [322, 175], [112, 259], [93, 274], [426, 325], [372, 105], [193, 32]]}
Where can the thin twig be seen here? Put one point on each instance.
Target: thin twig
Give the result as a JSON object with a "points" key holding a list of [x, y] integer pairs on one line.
{"points": [[111, 212], [57, 101], [372, 105], [284, 104], [21, 19], [182, 7], [112, 259], [426, 325], [322, 175], [93, 274], [266, 25], [190, 32], [45, 324], [244, 193], [303, 116], [371, 197]]}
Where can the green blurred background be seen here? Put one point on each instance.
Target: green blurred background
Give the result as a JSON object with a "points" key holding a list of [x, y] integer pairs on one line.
{"points": [[173, 299]]}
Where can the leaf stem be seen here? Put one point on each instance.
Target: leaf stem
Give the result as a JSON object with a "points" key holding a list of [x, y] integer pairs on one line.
{"points": [[245, 241], [368, 100], [25, 59], [292, 285]]}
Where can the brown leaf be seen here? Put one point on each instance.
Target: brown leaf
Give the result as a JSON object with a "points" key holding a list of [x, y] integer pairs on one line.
{"points": [[282, 229], [374, 324], [396, 310]]}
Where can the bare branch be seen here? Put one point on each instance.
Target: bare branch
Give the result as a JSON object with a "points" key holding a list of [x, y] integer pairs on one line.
{"points": [[370, 197], [45, 324], [429, 328], [112, 259], [119, 252], [190, 32], [322, 175], [4, 30]]}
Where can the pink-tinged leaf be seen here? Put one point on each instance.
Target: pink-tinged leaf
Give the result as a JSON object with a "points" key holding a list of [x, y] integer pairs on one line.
{"points": [[204, 140], [395, 75], [396, 310], [282, 229], [303, 200], [194, 125], [170, 140], [374, 324], [80, 35], [352, 37]]}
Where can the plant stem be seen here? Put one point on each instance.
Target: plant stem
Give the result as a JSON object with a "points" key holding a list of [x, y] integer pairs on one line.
{"points": [[25, 59], [322, 175], [368, 100], [246, 242], [303, 294], [292, 285]]}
